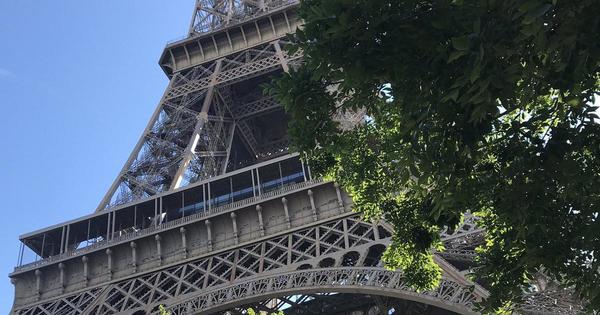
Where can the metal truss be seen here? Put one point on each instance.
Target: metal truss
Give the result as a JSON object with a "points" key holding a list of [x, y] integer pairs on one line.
{"points": [[375, 281], [309, 246], [349, 119], [257, 107], [460, 251], [341, 303], [338, 304], [552, 301], [211, 15], [73, 304], [190, 134], [460, 244], [342, 255]]}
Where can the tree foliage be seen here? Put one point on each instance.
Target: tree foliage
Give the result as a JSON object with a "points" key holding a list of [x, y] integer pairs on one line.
{"points": [[483, 106], [251, 311], [162, 310]]}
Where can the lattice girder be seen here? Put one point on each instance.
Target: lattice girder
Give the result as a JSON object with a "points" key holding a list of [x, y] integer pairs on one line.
{"points": [[272, 254], [211, 15], [213, 100], [195, 98]]}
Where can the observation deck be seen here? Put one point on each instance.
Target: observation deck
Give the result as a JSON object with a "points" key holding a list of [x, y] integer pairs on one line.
{"points": [[228, 210], [238, 31]]}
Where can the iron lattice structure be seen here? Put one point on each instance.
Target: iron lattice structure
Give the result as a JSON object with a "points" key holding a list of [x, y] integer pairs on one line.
{"points": [[211, 15], [211, 214], [191, 133]]}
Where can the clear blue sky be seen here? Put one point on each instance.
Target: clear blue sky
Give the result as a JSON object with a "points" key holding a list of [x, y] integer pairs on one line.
{"points": [[78, 82]]}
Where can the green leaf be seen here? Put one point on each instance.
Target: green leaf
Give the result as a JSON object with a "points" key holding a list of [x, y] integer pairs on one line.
{"points": [[488, 108], [536, 13], [477, 26], [574, 102], [475, 73], [528, 5], [460, 43], [455, 55], [453, 95], [529, 29]]}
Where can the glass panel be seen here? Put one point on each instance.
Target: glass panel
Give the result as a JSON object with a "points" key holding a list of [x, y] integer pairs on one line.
{"points": [[193, 200], [220, 192], [124, 220], [97, 230], [171, 206], [270, 177], [291, 170], [144, 214], [78, 235], [134, 218], [242, 186], [28, 256], [51, 242]]}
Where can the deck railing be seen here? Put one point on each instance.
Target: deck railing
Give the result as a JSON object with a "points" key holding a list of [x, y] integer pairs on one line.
{"points": [[168, 225]]}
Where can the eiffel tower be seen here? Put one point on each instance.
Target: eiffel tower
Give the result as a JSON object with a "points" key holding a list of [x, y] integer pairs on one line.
{"points": [[211, 214]]}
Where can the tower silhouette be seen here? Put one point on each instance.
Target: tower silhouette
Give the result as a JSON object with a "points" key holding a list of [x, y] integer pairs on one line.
{"points": [[211, 213]]}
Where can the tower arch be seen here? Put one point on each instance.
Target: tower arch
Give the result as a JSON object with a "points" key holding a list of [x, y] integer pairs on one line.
{"points": [[450, 295]]}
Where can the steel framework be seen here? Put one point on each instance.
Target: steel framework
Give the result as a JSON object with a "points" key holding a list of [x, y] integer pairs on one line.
{"points": [[259, 230], [340, 255], [210, 15], [190, 134], [376, 281]]}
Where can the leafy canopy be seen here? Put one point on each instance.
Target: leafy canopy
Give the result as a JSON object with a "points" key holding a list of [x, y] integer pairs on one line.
{"points": [[477, 105], [162, 310], [251, 311]]}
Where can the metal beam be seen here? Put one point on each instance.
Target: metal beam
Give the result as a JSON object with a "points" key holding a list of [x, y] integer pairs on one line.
{"points": [[255, 108], [113, 187], [188, 154]]}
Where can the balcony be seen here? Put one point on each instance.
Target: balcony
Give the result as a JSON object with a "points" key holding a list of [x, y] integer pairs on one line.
{"points": [[207, 198]]}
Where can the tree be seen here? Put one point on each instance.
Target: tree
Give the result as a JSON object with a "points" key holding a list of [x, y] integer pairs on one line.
{"points": [[162, 310], [251, 311], [483, 106]]}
